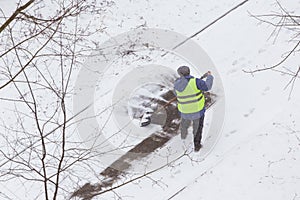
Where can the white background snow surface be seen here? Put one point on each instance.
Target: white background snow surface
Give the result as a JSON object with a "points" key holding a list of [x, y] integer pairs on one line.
{"points": [[257, 155]]}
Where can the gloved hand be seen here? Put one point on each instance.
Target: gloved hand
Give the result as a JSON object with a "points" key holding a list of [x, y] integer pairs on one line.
{"points": [[205, 75]]}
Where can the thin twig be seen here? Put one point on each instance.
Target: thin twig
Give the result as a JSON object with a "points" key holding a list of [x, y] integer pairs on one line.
{"points": [[278, 64]]}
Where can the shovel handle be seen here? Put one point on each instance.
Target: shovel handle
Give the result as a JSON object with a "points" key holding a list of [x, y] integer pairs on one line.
{"points": [[169, 102]]}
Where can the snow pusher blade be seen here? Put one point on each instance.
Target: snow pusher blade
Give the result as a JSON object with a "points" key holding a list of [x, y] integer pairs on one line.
{"points": [[146, 118]]}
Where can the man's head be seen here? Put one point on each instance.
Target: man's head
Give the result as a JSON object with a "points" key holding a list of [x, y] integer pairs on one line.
{"points": [[183, 71]]}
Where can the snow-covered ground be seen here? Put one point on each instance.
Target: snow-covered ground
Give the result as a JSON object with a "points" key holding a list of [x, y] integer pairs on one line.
{"points": [[257, 154]]}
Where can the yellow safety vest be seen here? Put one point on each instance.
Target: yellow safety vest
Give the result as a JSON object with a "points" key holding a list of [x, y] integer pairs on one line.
{"points": [[191, 99]]}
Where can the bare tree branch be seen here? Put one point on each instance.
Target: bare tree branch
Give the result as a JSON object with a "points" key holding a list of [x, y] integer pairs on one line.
{"points": [[278, 64], [14, 15]]}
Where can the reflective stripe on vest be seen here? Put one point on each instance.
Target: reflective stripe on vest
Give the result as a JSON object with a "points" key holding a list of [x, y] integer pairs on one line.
{"points": [[191, 99]]}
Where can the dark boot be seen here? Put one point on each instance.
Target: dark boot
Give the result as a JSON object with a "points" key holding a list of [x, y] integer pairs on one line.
{"points": [[197, 147]]}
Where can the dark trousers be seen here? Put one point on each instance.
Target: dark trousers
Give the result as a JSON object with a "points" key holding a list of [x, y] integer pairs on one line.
{"points": [[197, 129]]}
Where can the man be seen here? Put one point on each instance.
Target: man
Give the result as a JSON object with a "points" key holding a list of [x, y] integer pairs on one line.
{"points": [[191, 102]]}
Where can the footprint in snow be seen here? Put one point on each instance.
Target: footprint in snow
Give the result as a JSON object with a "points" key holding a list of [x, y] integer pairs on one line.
{"points": [[265, 90], [261, 51], [234, 62], [249, 113], [232, 71]]}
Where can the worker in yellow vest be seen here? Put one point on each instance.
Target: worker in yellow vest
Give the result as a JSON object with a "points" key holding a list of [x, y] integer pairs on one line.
{"points": [[191, 102]]}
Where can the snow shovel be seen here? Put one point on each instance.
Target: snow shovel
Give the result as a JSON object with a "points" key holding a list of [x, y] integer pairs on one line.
{"points": [[146, 118]]}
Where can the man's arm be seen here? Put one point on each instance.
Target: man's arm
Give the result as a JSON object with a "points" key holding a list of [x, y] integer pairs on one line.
{"points": [[205, 85]]}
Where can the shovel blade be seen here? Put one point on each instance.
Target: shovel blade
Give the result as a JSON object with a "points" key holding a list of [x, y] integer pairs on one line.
{"points": [[145, 121]]}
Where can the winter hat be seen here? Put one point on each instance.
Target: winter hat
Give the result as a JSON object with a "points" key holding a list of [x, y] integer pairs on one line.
{"points": [[183, 71]]}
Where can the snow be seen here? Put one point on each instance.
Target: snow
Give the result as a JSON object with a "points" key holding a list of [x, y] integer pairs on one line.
{"points": [[257, 154], [7, 7], [241, 164], [262, 166]]}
